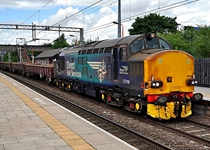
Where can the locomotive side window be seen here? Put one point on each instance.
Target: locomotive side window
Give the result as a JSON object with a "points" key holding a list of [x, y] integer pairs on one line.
{"points": [[101, 50], [95, 51], [164, 44], [89, 51], [122, 55], [83, 51], [137, 46], [108, 50]]}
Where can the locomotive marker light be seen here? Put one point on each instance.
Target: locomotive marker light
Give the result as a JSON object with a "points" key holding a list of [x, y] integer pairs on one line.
{"points": [[169, 79]]}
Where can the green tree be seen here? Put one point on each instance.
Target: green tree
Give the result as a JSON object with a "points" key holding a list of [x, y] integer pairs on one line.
{"points": [[154, 23], [13, 57], [177, 40], [195, 42], [60, 42], [201, 44]]}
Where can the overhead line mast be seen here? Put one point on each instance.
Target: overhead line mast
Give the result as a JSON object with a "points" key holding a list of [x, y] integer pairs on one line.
{"points": [[119, 18]]}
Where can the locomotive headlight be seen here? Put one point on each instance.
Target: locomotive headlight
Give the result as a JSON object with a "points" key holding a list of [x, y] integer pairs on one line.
{"points": [[191, 82], [197, 97], [155, 84]]}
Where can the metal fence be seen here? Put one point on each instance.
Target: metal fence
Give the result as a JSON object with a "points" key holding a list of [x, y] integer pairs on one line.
{"points": [[202, 71]]}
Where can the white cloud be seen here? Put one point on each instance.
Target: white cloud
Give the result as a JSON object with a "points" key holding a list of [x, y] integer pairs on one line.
{"points": [[97, 16]]}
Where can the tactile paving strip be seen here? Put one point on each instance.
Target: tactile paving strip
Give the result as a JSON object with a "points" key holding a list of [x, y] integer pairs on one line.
{"points": [[71, 138]]}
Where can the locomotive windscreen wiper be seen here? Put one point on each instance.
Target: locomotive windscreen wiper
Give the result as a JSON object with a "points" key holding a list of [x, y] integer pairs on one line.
{"points": [[150, 51]]}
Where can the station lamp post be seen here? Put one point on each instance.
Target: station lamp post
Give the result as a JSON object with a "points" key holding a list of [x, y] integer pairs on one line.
{"points": [[75, 37], [121, 25]]}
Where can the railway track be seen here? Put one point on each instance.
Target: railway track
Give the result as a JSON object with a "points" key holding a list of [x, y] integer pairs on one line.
{"points": [[195, 131], [132, 137]]}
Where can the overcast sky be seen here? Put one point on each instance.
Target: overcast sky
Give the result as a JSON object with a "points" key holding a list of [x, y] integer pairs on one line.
{"points": [[94, 16]]}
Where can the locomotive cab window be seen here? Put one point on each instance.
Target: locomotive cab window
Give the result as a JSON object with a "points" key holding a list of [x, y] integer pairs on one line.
{"points": [[164, 44], [151, 42], [137, 46]]}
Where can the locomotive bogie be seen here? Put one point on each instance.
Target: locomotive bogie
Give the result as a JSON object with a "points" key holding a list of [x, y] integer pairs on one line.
{"points": [[134, 105]]}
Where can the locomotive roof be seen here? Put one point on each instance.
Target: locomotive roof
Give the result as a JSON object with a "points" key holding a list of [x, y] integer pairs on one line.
{"points": [[48, 53], [108, 43], [102, 44], [64, 50], [129, 39], [118, 41]]}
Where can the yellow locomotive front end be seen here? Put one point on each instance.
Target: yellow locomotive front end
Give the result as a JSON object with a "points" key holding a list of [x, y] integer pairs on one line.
{"points": [[169, 84]]}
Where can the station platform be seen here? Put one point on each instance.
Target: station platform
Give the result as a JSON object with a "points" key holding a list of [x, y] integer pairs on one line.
{"points": [[29, 121], [205, 91]]}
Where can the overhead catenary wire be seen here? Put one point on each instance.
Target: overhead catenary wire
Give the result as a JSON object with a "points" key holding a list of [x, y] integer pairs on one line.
{"points": [[37, 11], [160, 9], [31, 16], [163, 8], [86, 12], [81, 12], [91, 9], [77, 12], [142, 14]]}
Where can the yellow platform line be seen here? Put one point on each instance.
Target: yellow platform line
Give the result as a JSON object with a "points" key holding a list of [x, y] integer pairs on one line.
{"points": [[71, 138]]}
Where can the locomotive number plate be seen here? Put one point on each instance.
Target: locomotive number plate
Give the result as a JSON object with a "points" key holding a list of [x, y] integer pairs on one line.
{"points": [[175, 88]]}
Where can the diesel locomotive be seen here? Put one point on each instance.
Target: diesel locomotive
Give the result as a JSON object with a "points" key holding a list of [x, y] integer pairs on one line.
{"points": [[139, 72]]}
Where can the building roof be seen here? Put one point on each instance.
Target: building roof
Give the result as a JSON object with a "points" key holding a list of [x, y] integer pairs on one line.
{"points": [[48, 53]]}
